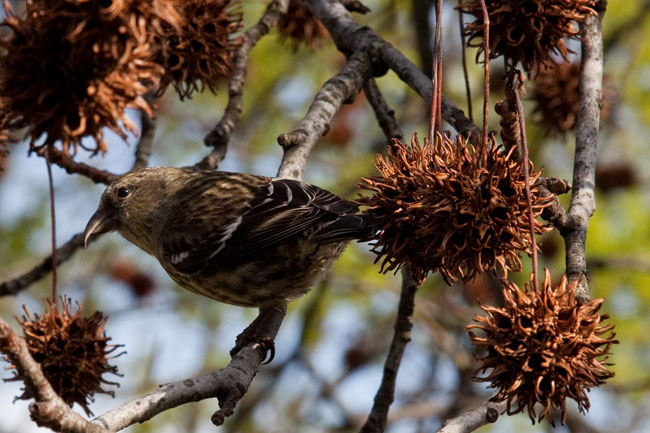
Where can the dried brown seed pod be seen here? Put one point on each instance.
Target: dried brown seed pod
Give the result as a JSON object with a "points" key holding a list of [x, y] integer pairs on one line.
{"points": [[557, 100], [200, 51], [543, 347], [449, 207], [300, 26], [73, 352], [526, 31], [69, 68]]}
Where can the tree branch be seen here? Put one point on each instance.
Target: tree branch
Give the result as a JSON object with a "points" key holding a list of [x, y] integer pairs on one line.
{"points": [[342, 87], [143, 148], [385, 396], [471, 420], [350, 37], [63, 253], [355, 6], [220, 135], [48, 410], [555, 213], [71, 166], [384, 114], [583, 202], [228, 385], [378, 417]]}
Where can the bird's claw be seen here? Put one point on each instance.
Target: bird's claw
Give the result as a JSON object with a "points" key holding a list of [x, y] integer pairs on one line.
{"points": [[266, 343]]}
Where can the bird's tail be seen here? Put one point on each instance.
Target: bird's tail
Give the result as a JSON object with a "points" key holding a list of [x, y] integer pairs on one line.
{"points": [[349, 227]]}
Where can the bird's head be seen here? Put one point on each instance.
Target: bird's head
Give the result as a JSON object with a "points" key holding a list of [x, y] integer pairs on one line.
{"points": [[131, 205]]}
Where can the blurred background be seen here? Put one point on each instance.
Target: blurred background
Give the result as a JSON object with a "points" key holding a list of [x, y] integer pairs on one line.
{"points": [[331, 348]]}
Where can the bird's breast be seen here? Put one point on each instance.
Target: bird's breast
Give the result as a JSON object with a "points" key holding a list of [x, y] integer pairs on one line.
{"points": [[276, 275]]}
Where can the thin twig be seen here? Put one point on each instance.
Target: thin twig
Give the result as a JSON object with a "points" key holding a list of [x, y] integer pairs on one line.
{"points": [[385, 396], [344, 86], [468, 90], [143, 148], [517, 84], [219, 137], [384, 114], [48, 410], [486, 65], [436, 76], [439, 62], [71, 166], [555, 212], [583, 203], [53, 225], [63, 253]]}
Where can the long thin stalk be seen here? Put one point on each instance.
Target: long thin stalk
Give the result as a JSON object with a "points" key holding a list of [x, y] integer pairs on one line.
{"points": [[53, 220]]}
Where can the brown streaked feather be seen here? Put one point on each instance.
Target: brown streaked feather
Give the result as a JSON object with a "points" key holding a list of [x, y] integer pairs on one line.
{"points": [[199, 237]]}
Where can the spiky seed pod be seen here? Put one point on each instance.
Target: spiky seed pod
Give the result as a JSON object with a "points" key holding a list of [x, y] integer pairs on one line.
{"points": [[449, 207], [557, 99], [71, 67], [200, 52], [73, 352], [300, 26], [556, 96], [543, 347], [526, 31]]}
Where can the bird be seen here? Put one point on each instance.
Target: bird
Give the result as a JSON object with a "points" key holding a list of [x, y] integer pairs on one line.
{"points": [[241, 239]]}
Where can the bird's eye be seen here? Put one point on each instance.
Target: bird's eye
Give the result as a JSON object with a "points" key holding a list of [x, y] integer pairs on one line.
{"points": [[122, 192]]}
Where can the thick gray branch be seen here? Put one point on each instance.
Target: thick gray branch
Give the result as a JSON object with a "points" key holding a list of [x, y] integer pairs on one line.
{"points": [[583, 203], [473, 419], [228, 385], [342, 87]]}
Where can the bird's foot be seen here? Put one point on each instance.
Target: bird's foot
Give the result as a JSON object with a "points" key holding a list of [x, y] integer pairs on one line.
{"points": [[258, 332]]}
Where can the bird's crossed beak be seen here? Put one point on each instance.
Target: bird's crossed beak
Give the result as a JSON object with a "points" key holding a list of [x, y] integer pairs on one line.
{"points": [[100, 222]]}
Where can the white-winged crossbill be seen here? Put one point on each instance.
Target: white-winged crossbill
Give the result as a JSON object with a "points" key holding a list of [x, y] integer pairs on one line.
{"points": [[242, 239]]}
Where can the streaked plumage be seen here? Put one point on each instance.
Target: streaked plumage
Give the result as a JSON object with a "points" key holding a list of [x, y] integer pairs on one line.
{"points": [[241, 239]]}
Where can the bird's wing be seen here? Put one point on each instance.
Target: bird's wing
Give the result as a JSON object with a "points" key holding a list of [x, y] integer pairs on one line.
{"points": [[287, 208], [277, 210]]}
